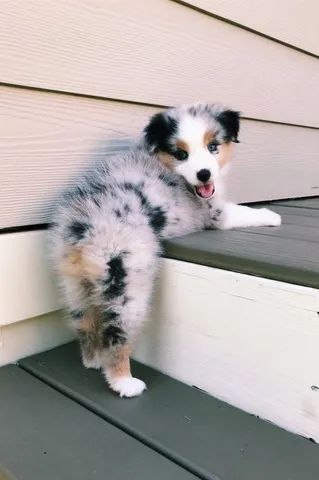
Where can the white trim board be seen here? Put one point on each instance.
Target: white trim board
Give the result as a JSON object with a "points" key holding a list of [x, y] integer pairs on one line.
{"points": [[26, 286], [249, 341], [32, 336]]}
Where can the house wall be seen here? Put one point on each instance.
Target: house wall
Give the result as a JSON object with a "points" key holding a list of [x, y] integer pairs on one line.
{"points": [[293, 22], [78, 79]]}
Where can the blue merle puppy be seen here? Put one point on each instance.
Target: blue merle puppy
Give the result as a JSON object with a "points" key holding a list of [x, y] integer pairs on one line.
{"points": [[107, 231]]}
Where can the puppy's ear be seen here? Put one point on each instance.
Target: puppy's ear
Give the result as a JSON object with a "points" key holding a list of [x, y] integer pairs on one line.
{"points": [[159, 130], [229, 119]]}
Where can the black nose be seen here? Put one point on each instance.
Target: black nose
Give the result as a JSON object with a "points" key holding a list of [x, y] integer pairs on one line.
{"points": [[203, 175]]}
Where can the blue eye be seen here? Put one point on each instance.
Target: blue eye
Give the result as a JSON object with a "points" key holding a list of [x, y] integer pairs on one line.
{"points": [[212, 147], [180, 154]]}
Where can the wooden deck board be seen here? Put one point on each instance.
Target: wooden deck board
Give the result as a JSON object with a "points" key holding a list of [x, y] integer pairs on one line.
{"points": [[189, 426], [291, 209], [289, 253], [290, 231], [310, 203], [46, 436]]}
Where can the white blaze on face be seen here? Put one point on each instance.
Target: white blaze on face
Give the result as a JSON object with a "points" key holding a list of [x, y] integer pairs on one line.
{"points": [[191, 131]]}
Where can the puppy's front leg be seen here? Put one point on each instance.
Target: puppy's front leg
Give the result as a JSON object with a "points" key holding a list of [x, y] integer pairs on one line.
{"points": [[239, 216]]}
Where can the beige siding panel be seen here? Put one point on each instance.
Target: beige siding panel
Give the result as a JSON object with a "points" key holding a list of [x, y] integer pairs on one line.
{"points": [[47, 139], [295, 22], [157, 52]]}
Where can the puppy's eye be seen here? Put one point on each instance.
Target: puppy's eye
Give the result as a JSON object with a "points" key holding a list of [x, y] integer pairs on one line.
{"points": [[180, 154], [212, 147]]}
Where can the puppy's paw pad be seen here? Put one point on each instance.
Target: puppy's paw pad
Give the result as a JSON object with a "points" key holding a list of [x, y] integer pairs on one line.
{"points": [[270, 218], [128, 386]]}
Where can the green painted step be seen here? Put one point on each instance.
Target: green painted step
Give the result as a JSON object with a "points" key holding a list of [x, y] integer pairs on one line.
{"points": [[208, 436], [46, 436], [312, 203], [289, 253]]}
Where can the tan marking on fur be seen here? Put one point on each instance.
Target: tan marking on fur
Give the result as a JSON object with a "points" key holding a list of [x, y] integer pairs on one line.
{"points": [[208, 137], [78, 263], [167, 160], [182, 145], [88, 322], [225, 153], [5, 475], [119, 363]]}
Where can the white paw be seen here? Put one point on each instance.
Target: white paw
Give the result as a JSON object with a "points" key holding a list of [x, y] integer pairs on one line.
{"points": [[269, 218], [127, 386]]}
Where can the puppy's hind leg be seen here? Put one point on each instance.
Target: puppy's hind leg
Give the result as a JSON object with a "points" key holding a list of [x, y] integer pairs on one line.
{"points": [[87, 328], [126, 295], [117, 372], [121, 327], [118, 283], [79, 274]]}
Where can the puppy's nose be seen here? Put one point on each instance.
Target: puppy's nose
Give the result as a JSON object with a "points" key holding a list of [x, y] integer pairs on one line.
{"points": [[203, 175]]}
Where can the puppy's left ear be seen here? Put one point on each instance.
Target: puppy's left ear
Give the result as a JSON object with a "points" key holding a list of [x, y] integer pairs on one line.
{"points": [[229, 119]]}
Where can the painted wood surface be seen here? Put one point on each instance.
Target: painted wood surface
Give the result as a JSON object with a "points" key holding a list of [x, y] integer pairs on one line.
{"points": [[45, 434], [249, 341], [26, 285], [292, 21], [48, 139], [288, 253], [33, 335], [155, 52], [213, 440]]}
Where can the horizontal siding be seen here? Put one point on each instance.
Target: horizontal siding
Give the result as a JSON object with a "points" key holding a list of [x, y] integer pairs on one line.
{"points": [[47, 139], [155, 52], [291, 21]]}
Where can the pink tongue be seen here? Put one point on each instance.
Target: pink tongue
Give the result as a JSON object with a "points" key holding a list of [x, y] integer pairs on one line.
{"points": [[205, 191]]}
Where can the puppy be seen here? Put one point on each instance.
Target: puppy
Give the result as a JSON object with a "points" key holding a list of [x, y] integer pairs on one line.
{"points": [[107, 230]]}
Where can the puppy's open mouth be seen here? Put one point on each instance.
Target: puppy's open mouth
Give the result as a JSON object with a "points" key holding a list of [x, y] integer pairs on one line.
{"points": [[205, 191]]}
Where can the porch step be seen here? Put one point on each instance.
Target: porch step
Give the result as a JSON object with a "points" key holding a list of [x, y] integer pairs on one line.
{"points": [[46, 436], [289, 253], [199, 433]]}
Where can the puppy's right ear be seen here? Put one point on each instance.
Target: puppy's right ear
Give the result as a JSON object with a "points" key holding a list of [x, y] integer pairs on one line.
{"points": [[158, 132], [229, 119]]}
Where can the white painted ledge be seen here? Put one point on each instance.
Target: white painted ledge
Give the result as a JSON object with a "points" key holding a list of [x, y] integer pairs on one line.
{"points": [[26, 286], [31, 336], [249, 341]]}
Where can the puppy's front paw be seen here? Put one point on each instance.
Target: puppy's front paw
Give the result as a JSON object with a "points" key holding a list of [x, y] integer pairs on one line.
{"points": [[127, 386], [269, 218]]}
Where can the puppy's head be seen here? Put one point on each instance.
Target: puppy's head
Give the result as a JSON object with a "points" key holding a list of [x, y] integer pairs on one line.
{"points": [[195, 142]]}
